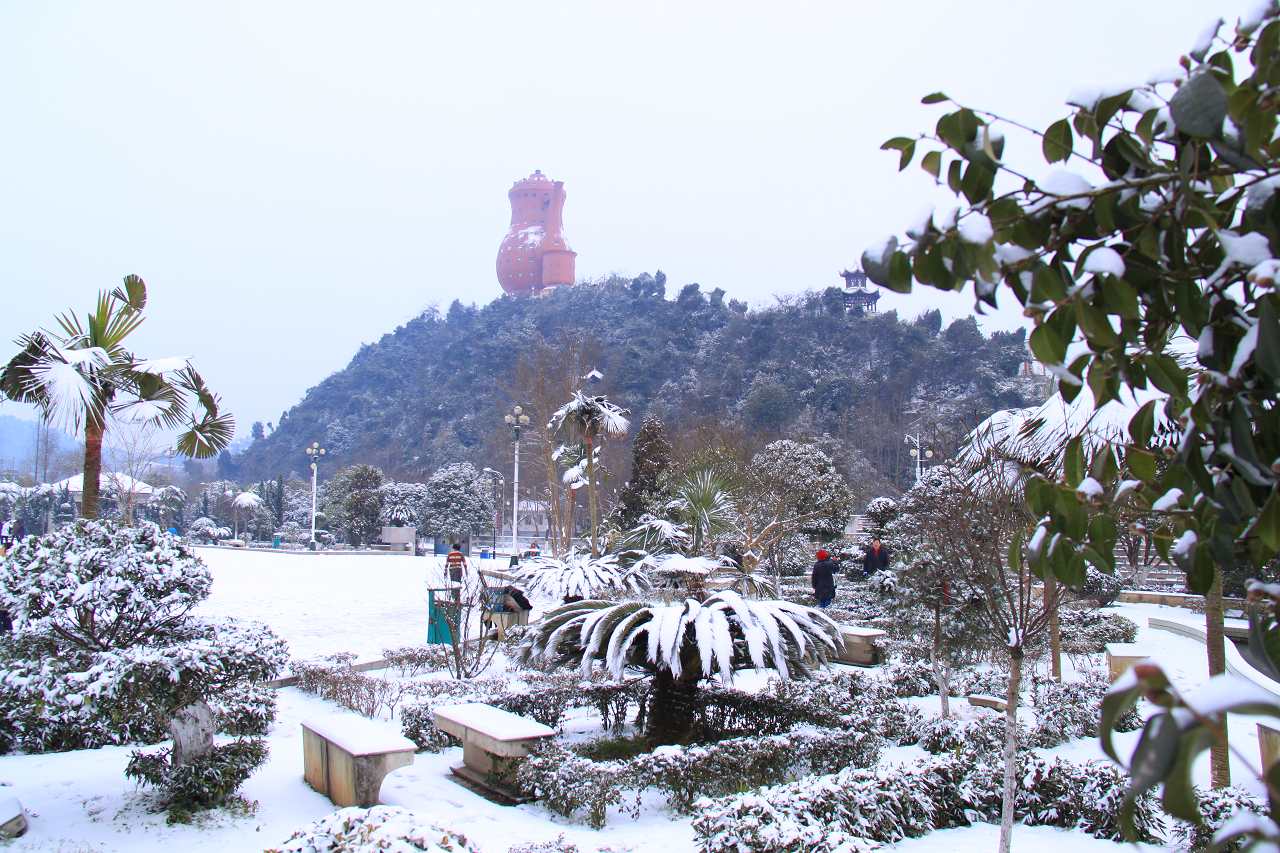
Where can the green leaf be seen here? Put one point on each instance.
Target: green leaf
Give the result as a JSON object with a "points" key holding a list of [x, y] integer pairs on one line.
{"points": [[907, 153], [1199, 106], [1057, 141], [977, 182], [899, 273], [1114, 705], [897, 143], [1166, 374], [1073, 462], [1142, 424], [1120, 297], [1267, 354], [1096, 326], [954, 174], [1046, 346], [932, 163], [1142, 464], [934, 98], [1267, 526]]}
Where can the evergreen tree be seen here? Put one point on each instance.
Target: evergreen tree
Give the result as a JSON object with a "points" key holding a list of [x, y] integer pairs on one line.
{"points": [[650, 460]]}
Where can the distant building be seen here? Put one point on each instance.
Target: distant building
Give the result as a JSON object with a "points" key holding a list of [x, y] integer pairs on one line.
{"points": [[859, 296], [534, 257]]}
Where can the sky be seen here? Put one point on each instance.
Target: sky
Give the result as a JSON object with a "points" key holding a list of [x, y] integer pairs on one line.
{"points": [[294, 179]]}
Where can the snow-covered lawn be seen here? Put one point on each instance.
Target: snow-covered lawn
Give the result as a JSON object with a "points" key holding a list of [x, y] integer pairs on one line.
{"points": [[333, 603]]}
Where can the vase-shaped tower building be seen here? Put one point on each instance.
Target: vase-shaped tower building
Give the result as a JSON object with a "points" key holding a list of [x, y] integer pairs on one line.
{"points": [[534, 256]]}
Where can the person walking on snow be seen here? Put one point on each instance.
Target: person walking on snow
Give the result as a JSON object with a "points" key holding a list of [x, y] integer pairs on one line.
{"points": [[824, 579], [455, 562], [876, 558]]}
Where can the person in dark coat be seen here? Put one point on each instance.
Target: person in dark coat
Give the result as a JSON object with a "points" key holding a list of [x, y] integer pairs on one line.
{"points": [[824, 579], [876, 558]]}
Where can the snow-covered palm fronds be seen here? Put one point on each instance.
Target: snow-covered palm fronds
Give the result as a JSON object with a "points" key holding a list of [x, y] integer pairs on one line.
{"points": [[590, 414], [580, 575], [703, 503], [655, 535], [689, 639], [707, 572], [247, 500]]}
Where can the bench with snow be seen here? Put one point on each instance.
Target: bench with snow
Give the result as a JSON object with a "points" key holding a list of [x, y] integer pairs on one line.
{"points": [[231, 543], [982, 700], [493, 743], [859, 645], [1121, 656], [347, 757]]}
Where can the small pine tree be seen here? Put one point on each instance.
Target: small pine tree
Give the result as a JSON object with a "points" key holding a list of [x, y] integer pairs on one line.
{"points": [[650, 460]]}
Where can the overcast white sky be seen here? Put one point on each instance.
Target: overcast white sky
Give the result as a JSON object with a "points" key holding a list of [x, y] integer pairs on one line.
{"points": [[293, 179]]}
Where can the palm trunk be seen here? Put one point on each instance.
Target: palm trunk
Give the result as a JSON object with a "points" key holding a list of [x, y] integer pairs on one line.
{"points": [[671, 708], [1055, 630], [1215, 645], [1010, 749], [92, 470], [591, 496]]}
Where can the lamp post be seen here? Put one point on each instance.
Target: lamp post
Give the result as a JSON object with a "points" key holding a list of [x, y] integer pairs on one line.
{"points": [[917, 453], [314, 452], [515, 419], [499, 482]]}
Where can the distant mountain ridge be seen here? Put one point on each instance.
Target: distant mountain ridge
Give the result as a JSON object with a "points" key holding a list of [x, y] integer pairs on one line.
{"points": [[430, 392], [18, 439]]}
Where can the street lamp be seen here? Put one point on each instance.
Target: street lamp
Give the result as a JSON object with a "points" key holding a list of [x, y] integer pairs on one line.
{"points": [[497, 504], [314, 452], [916, 453], [516, 419]]}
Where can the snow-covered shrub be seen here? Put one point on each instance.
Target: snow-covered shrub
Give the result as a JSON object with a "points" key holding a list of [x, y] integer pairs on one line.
{"points": [[884, 583], [580, 575], [1088, 631], [1066, 710], [1099, 587], [887, 804], [294, 533], [1216, 806], [568, 783], [205, 783], [400, 503], [334, 678], [879, 512], [208, 531], [412, 660], [245, 709], [356, 830], [104, 648], [914, 678], [981, 736], [986, 681], [850, 700]]}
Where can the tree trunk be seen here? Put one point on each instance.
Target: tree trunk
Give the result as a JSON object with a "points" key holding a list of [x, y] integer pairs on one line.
{"points": [[92, 470], [1051, 599], [671, 708], [192, 729], [591, 496], [1215, 645], [1010, 749], [554, 533], [941, 669]]}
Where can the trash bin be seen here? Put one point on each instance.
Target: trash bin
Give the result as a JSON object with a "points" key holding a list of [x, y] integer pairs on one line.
{"points": [[484, 553], [275, 540]]}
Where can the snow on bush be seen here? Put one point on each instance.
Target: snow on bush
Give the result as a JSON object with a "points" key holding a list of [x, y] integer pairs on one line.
{"points": [[1102, 588], [356, 830], [205, 783], [1216, 806], [1066, 710], [1087, 632], [886, 804], [984, 735], [205, 529], [104, 647]]}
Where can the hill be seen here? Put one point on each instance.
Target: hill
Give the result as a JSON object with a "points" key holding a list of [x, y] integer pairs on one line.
{"points": [[434, 390]]}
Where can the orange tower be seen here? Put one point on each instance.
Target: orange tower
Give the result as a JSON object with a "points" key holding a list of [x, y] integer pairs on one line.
{"points": [[534, 256]]}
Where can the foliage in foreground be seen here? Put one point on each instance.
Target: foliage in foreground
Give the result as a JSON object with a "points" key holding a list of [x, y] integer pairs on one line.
{"points": [[357, 830], [206, 783]]}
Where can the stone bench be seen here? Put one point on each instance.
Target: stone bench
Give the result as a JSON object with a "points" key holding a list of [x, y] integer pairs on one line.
{"points": [[1121, 656], [347, 757], [493, 743], [982, 700], [858, 645]]}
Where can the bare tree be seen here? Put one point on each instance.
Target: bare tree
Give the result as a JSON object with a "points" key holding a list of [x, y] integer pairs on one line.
{"points": [[133, 452]]}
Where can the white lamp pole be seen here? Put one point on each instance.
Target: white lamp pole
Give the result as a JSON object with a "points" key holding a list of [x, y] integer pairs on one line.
{"points": [[314, 452], [916, 453], [516, 419]]}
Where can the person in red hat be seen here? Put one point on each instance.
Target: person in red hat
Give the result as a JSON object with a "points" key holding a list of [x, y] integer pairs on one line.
{"points": [[824, 579]]}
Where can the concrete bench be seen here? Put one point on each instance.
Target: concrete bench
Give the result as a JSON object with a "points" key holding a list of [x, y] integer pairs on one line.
{"points": [[981, 700], [346, 758], [858, 645], [1121, 656], [493, 743]]}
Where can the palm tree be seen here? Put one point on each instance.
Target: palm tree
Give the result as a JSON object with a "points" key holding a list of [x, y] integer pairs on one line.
{"points": [[245, 500], [590, 419], [681, 644], [703, 503], [580, 575], [82, 375]]}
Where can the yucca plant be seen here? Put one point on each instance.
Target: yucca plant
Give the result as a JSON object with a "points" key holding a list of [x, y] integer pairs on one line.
{"points": [[83, 376], [579, 575], [682, 644]]}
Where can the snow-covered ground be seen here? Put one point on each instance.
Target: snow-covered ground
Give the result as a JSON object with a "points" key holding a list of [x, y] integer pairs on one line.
{"points": [[81, 801]]}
